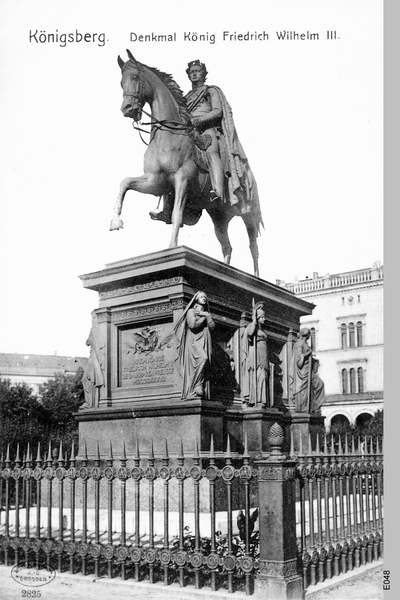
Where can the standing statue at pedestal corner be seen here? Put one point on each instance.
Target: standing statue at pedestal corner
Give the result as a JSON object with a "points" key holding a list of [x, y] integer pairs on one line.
{"points": [[255, 352], [193, 334], [307, 390], [93, 377]]}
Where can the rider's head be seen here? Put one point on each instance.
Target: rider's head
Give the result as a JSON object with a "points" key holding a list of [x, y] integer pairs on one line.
{"points": [[198, 65]]}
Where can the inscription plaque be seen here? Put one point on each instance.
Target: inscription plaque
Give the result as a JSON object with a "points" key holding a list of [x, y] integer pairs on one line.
{"points": [[146, 356]]}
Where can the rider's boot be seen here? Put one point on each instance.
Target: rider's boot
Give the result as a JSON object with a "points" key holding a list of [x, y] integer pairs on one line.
{"points": [[166, 213], [217, 178]]}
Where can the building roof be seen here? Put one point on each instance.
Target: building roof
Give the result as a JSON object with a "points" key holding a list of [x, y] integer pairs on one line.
{"points": [[347, 279], [44, 364]]}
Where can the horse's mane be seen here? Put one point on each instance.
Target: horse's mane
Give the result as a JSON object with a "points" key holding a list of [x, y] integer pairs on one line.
{"points": [[174, 88]]}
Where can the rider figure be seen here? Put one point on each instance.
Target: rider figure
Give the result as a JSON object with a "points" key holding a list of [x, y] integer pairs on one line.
{"points": [[205, 108], [214, 131]]}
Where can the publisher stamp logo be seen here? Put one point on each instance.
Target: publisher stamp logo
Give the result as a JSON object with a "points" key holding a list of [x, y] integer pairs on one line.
{"points": [[32, 575]]}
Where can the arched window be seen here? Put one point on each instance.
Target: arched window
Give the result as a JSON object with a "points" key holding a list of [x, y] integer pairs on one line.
{"points": [[345, 384], [352, 335], [360, 380], [352, 381], [339, 424], [343, 335], [359, 334], [363, 419], [313, 339]]}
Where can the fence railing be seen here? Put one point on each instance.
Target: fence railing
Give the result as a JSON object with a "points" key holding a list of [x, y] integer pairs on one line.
{"points": [[196, 518], [185, 518], [341, 507]]}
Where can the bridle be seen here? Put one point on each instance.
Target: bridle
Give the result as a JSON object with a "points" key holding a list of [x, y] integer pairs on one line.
{"points": [[174, 127]]}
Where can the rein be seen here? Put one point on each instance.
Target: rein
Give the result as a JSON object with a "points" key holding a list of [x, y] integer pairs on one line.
{"points": [[172, 126]]}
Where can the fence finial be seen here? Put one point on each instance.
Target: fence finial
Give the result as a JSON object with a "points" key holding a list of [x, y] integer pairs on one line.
{"points": [[317, 448], [310, 450], [72, 457], [151, 453], [300, 445], [196, 448], [212, 453], [166, 455], [97, 455], [333, 453], [38, 457], [353, 445], [340, 449], [246, 450], [123, 457], [110, 453], [85, 454], [8, 454], [137, 453], [228, 453], [325, 444], [49, 458], [181, 455], [17, 458], [346, 444]]}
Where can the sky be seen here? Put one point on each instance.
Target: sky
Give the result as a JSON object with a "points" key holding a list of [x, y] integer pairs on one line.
{"points": [[309, 114]]}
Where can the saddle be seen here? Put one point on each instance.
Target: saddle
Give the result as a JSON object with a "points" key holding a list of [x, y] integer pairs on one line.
{"points": [[201, 142]]}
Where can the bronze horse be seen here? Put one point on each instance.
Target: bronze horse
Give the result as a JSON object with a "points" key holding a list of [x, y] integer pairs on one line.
{"points": [[171, 166]]}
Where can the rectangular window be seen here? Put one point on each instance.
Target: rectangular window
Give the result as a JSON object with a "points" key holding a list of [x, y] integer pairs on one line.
{"points": [[345, 386]]}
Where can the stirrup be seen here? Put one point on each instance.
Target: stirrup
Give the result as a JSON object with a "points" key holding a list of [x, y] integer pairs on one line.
{"points": [[160, 216], [214, 197]]}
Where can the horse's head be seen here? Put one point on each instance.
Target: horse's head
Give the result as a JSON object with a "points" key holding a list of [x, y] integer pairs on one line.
{"points": [[133, 85]]}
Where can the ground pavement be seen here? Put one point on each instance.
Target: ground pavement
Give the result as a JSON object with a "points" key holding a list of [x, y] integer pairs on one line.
{"points": [[366, 585]]}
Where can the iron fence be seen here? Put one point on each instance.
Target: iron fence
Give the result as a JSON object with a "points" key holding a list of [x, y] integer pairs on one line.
{"points": [[172, 518], [190, 517], [340, 510]]}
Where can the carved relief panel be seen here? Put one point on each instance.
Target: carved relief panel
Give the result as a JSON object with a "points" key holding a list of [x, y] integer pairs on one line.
{"points": [[146, 358]]}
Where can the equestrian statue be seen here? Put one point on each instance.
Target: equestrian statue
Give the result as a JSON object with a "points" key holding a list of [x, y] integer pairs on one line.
{"points": [[194, 160]]}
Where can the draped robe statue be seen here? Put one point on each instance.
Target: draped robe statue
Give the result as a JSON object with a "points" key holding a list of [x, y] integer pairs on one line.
{"points": [[307, 390], [255, 349], [193, 334]]}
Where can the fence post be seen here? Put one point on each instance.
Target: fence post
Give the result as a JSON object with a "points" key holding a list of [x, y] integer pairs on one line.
{"points": [[277, 577]]}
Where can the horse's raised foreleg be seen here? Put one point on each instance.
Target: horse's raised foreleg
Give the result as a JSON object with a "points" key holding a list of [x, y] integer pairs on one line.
{"points": [[221, 231], [116, 222], [252, 231], [146, 184]]}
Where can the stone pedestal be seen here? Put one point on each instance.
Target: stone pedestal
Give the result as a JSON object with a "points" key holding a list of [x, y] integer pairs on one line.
{"points": [[196, 420], [303, 427], [140, 393]]}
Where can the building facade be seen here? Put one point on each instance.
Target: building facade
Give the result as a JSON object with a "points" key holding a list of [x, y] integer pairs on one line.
{"points": [[36, 369], [347, 338]]}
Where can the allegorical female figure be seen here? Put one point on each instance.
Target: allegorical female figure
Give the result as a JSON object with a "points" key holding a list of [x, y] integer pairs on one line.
{"points": [[193, 333], [256, 371], [93, 378], [307, 390]]}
